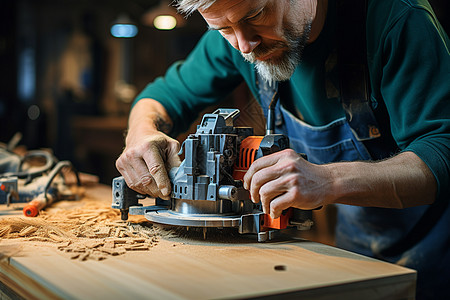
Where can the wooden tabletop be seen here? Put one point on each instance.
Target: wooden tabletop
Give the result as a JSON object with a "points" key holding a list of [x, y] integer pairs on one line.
{"points": [[188, 267]]}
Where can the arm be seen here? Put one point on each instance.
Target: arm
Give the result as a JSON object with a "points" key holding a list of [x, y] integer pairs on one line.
{"points": [[284, 180], [409, 73], [398, 182], [149, 153]]}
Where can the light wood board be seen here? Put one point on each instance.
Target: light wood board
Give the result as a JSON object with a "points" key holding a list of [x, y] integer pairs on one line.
{"points": [[193, 268]]}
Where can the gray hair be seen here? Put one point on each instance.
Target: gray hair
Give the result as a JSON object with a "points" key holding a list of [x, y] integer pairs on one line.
{"points": [[189, 6]]}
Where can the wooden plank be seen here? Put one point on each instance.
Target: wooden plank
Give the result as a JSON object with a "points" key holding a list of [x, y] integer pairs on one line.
{"points": [[183, 269], [191, 268]]}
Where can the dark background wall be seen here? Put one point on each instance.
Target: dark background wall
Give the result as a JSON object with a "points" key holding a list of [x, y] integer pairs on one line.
{"points": [[66, 82]]}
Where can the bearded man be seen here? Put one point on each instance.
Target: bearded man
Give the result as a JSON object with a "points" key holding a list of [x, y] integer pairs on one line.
{"points": [[383, 158]]}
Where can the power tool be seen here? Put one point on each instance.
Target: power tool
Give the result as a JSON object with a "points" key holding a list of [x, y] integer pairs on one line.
{"points": [[36, 185], [207, 188]]}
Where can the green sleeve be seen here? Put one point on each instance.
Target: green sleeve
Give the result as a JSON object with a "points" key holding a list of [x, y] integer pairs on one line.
{"points": [[207, 75], [415, 86]]}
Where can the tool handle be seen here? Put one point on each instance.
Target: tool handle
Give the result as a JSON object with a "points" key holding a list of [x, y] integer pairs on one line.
{"points": [[33, 208]]}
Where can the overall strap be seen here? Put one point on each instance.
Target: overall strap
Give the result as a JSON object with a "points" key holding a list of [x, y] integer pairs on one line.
{"points": [[267, 90], [353, 70]]}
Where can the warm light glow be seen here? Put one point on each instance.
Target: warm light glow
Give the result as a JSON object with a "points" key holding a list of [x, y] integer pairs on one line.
{"points": [[124, 30], [165, 22]]}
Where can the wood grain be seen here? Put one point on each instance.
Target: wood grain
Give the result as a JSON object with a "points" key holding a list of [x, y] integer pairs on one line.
{"points": [[193, 268]]}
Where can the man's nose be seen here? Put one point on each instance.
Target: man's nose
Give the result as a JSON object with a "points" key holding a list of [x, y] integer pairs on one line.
{"points": [[247, 41]]}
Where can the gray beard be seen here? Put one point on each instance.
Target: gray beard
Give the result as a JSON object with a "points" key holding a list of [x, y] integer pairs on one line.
{"points": [[282, 68]]}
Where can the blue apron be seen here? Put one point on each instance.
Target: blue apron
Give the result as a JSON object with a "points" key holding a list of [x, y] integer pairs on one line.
{"points": [[409, 237]]}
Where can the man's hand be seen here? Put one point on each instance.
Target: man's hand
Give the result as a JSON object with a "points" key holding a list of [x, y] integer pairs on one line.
{"points": [[145, 165], [284, 179], [149, 153]]}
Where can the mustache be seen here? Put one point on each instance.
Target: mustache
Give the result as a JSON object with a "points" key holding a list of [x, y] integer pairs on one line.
{"points": [[264, 50], [294, 42]]}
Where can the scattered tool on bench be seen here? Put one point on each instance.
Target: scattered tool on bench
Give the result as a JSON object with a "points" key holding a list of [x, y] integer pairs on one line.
{"points": [[207, 188], [38, 186]]}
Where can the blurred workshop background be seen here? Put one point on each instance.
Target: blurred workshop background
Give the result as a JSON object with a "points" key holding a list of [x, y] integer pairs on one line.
{"points": [[71, 68]]}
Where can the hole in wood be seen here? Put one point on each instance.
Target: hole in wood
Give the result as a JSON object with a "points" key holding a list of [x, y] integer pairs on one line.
{"points": [[280, 268]]}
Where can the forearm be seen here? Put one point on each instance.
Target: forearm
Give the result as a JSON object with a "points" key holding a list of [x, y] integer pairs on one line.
{"points": [[147, 116], [149, 153], [398, 182]]}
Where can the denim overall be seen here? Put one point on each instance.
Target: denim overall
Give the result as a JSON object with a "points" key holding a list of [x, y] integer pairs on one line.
{"points": [[396, 235], [322, 144]]}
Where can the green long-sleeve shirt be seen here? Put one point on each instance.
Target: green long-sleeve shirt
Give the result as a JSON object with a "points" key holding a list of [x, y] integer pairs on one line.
{"points": [[409, 66]]}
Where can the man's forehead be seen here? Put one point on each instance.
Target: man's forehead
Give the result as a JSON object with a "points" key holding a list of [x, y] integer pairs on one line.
{"points": [[230, 10]]}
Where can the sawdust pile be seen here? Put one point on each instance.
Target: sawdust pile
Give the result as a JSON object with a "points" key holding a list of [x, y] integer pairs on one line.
{"points": [[88, 232]]}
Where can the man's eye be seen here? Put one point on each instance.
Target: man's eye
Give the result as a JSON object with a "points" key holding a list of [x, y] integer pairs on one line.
{"points": [[256, 17]]}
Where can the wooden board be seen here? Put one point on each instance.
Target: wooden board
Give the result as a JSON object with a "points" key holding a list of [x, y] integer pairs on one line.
{"points": [[193, 268]]}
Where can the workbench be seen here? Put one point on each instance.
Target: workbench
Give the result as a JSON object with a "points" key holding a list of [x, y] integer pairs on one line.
{"points": [[181, 267]]}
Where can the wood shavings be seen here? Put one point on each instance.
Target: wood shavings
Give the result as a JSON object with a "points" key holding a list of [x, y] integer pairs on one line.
{"points": [[5, 230], [87, 232], [27, 231], [98, 249]]}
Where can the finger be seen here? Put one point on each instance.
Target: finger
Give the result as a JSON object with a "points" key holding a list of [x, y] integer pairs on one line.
{"points": [[127, 177], [135, 173], [173, 162], [270, 191], [173, 159], [256, 166], [267, 161], [144, 185], [140, 180], [261, 178], [156, 167], [147, 186], [280, 203]]}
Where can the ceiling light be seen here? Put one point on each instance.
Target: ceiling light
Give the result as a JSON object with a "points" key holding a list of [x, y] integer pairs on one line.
{"points": [[123, 27], [165, 22], [163, 17]]}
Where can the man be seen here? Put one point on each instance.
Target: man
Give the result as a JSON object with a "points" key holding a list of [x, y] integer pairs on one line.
{"points": [[392, 190]]}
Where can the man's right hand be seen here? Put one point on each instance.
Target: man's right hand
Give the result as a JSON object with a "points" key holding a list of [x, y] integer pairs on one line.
{"points": [[149, 153]]}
